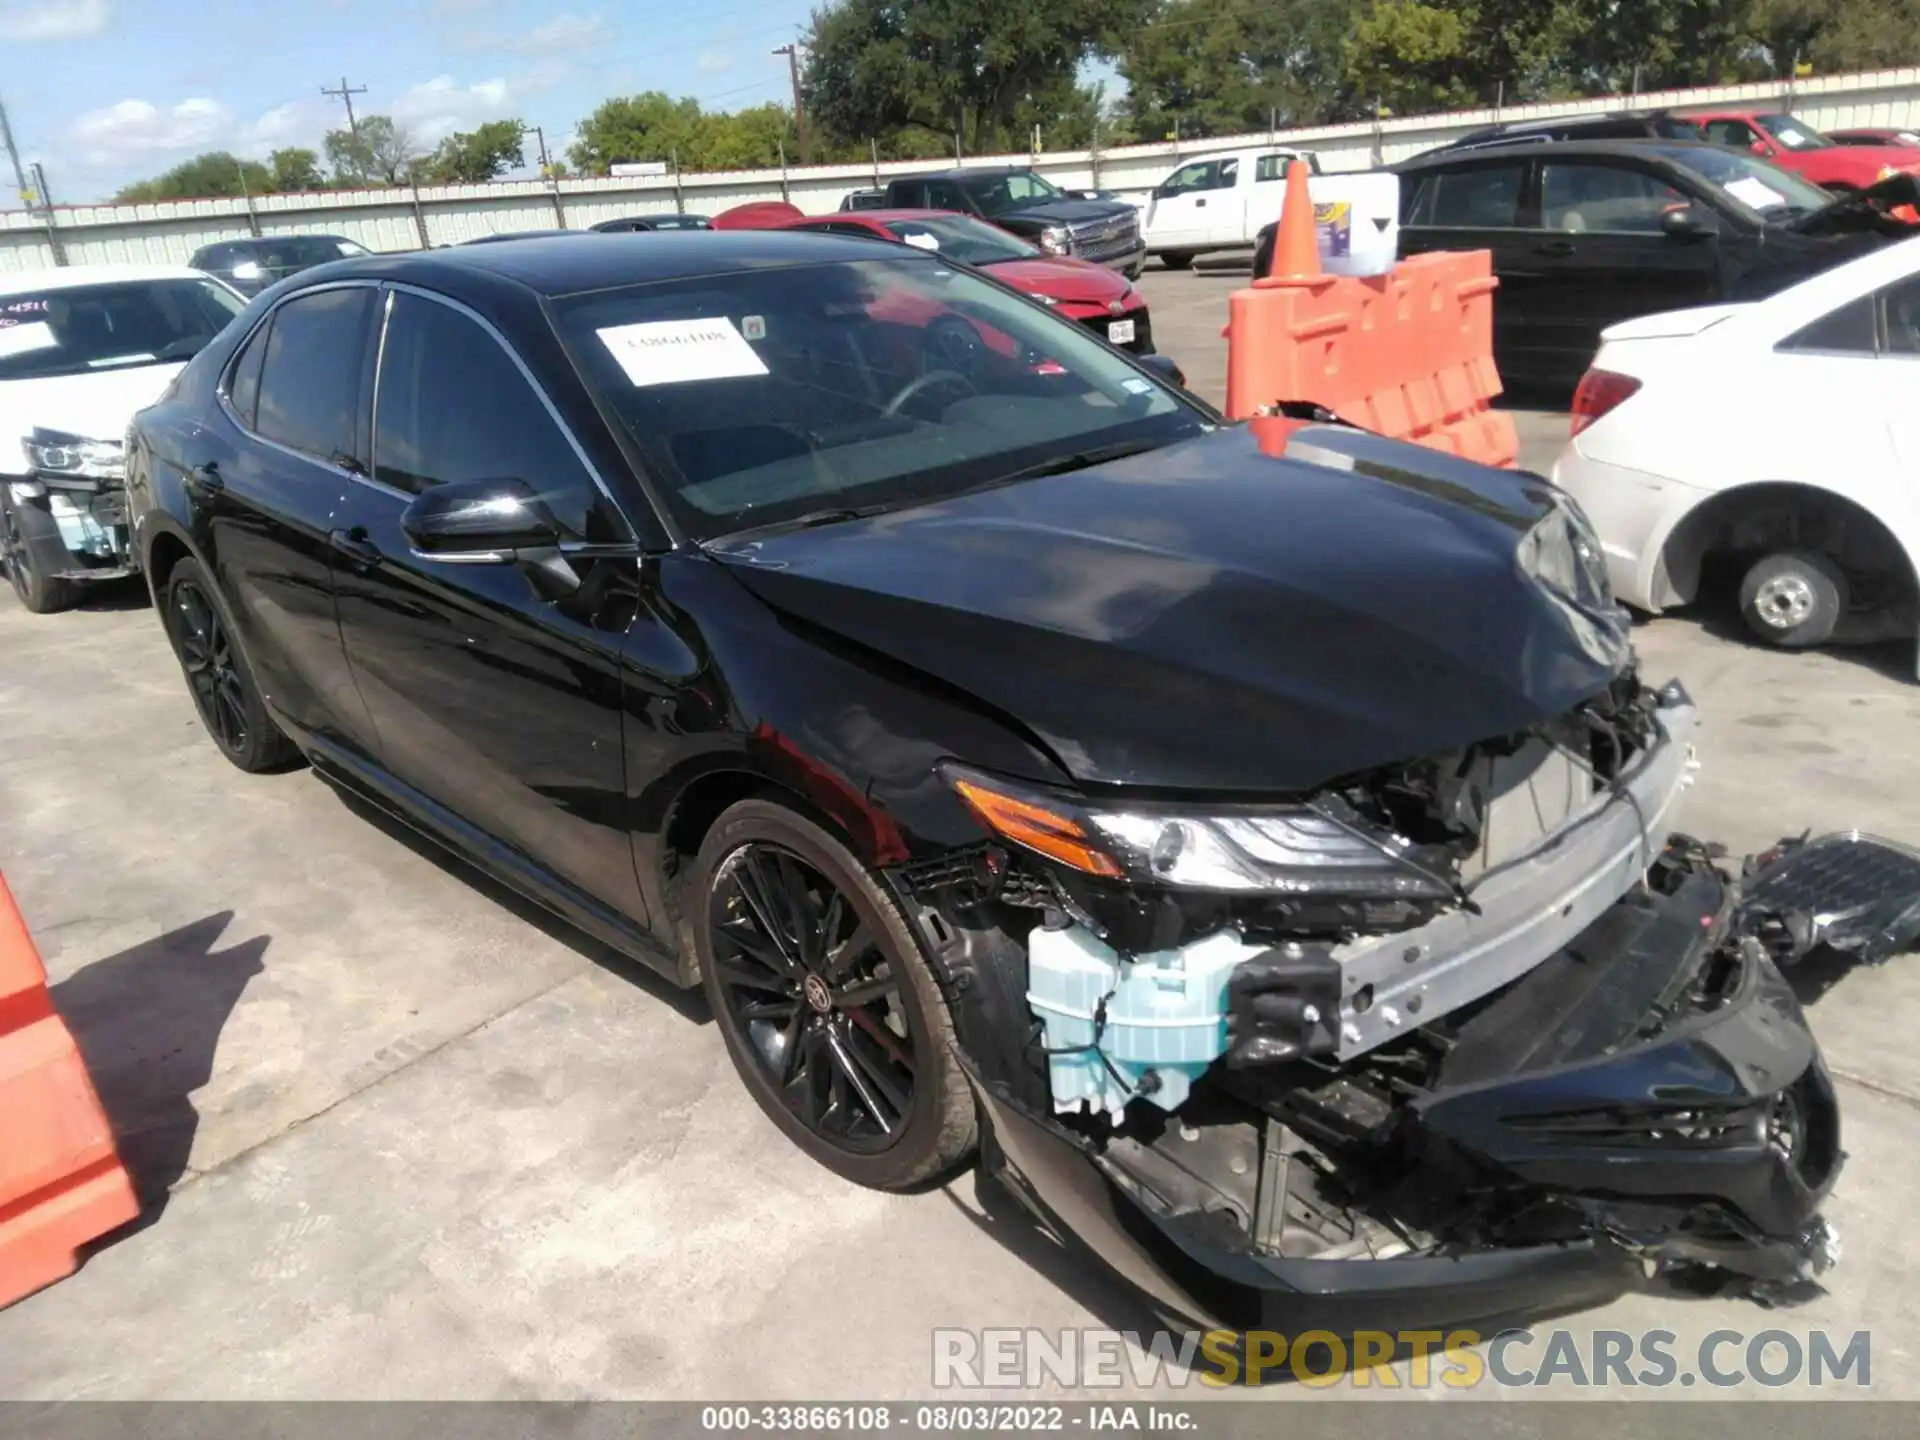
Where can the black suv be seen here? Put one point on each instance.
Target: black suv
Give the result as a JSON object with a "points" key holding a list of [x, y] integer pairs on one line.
{"points": [[1624, 125], [1106, 232], [250, 266]]}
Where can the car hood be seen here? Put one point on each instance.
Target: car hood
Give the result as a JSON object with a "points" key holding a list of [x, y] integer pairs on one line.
{"points": [[1079, 280], [1067, 212], [96, 405], [1207, 617], [1863, 209]]}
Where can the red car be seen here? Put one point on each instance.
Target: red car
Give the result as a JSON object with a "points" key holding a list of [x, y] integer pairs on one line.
{"points": [[1794, 145], [1902, 139], [1101, 299]]}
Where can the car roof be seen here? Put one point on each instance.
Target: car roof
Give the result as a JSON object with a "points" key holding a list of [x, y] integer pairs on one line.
{"points": [[586, 260], [1652, 148], [251, 240], [21, 282], [969, 172], [840, 217]]}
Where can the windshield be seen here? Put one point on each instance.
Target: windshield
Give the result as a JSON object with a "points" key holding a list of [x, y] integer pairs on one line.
{"points": [[72, 331], [763, 396], [1791, 134], [1759, 186], [995, 194], [962, 238]]}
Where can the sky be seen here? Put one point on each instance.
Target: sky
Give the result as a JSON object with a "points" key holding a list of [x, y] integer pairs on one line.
{"points": [[104, 92]]}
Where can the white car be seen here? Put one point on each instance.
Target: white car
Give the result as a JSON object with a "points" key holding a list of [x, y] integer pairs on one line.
{"points": [[81, 350], [1218, 202], [1775, 444]]}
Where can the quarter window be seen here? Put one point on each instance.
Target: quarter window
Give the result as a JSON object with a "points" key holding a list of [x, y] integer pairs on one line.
{"points": [[1846, 331], [453, 406], [243, 392], [1580, 198], [311, 375]]}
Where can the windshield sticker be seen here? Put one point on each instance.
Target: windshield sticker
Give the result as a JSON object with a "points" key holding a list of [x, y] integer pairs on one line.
{"points": [[921, 241], [754, 327], [19, 339], [1756, 193], [672, 352], [1134, 385]]}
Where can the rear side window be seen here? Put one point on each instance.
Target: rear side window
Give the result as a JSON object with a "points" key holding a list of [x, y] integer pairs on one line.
{"points": [[1483, 197], [243, 389], [1846, 331], [454, 406], [1604, 198], [1274, 167], [310, 378]]}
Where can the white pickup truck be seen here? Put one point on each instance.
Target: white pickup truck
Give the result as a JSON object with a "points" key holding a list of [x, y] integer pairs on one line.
{"points": [[1218, 202]]}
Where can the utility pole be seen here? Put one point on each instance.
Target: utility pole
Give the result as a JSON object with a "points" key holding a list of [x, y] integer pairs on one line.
{"points": [[19, 175], [553, 183], [46, 211], [345, 96], [792, 52]]}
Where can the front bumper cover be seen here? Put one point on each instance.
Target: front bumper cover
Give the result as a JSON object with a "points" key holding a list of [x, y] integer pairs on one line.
{"points": [[1710, 1140]]}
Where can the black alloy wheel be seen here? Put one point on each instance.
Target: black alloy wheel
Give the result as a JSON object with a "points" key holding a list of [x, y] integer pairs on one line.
{"points": [[41, 594], [217, 675], [829, 1012]]}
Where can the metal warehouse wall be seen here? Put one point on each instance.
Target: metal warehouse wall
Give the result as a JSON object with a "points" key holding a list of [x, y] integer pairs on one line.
{"points": [[405, 219]]}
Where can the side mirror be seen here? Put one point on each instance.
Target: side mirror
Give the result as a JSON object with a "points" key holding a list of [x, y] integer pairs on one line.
{"points": [[479, 519], [1760, 147], [1688, 222], [1165, 368]]}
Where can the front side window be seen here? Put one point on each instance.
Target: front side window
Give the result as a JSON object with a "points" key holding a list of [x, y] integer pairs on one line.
{"points": [[1731, 132], [997, 193], [310, 379], [1582, 198], [453, 406], [1480, 197], [760, 396], [81, 329]]}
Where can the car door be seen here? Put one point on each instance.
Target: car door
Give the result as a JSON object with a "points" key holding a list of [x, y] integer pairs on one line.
{"points": [[1606, 256], [1738, 135], [492, 700], [1484, 202], [268, 484], [1266, 192], [1179, 215]]}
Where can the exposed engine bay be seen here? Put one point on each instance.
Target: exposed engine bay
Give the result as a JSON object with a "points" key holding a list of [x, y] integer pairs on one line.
{"points": [[1527, 1020]]}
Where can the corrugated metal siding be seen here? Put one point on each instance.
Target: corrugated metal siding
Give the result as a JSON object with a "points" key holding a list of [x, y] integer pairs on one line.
{"points": [[393, 219]]}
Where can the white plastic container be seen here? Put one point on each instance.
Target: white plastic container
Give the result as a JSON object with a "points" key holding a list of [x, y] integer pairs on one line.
{"points": [[1356, 219], [1166, 1013]]}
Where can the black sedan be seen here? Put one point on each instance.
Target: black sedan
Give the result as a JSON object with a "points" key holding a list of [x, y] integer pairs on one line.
{"points": [[1585, 234], [250, 266], [1190, 820]]}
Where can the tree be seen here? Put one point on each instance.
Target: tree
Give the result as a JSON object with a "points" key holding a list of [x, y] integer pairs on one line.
{"points": [[469, 158], [749, 139], [948, 68], [295, 169], [377, 152], [638, 128], [213, 175]]}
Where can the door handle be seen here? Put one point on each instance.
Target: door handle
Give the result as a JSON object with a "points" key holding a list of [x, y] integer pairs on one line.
{"points": [[1201, 203], [355, 545], [207, 478], [1554, 247]]}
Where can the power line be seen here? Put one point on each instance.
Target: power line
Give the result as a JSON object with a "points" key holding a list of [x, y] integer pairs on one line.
{"points": [[345, 95]]}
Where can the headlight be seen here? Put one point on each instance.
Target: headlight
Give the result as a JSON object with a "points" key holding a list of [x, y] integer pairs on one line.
{"points": [[1563, 553], [54, 452], [1057, 240], [1311, 849], [247, 270]]}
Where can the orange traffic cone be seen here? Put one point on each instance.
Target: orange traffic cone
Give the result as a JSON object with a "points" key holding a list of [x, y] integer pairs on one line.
{"points": [[1296, 249], [61, 1181]]}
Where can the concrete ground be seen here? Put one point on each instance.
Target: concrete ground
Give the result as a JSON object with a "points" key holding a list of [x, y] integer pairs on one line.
{"points": [[406, 1137]]}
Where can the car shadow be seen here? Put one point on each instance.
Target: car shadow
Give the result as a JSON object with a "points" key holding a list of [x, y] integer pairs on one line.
{"points": [[112, 596], [688, 1004], [147, 1022], [1717, 613]]}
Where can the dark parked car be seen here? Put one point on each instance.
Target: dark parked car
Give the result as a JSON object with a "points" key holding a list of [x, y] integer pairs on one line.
{"points": [[499, 236], [250, 266], [1624, 125], [626, 223], [864, 200], [1588, 233], [928, 708], [1106, 232]]}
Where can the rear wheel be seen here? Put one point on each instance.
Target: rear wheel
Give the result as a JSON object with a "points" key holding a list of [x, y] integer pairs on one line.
{"points": [[42, 594], [217, 673], [1176, 259], [828, 1009], [1794, 599]]}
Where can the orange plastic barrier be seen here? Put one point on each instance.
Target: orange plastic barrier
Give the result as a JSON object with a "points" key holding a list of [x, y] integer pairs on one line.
{"points": [[61, 1181], [1409, 354]]}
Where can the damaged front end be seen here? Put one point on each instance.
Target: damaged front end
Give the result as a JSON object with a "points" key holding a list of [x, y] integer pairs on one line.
{"points": [[69, 510], [1452, 1040]]}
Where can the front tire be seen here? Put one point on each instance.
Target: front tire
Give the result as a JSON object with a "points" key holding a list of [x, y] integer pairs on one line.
{"points": [[1794, 599], [218, 676], [41, 594], [829, 1011], [1177, 259]]}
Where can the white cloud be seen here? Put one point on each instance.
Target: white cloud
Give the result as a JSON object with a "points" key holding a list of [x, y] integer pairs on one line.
{"points": [[135, 130], [562, 34], [713, 62], [434, 109], [53, 19]]}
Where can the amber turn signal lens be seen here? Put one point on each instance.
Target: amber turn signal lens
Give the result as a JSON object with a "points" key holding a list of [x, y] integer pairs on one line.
{"points": [[1054, 835]]}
